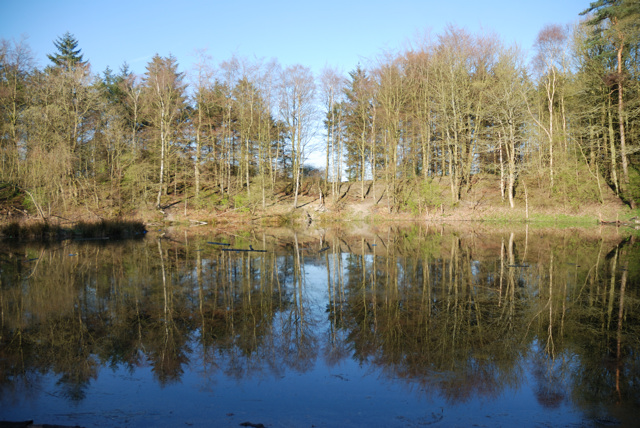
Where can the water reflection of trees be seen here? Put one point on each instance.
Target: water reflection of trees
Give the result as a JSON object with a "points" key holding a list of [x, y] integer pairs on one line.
{"points": [[464, 319], [440, 318], [458, 314]]}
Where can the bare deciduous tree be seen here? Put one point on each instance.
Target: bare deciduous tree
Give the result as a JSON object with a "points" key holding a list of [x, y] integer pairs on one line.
{"points": [[164, 103], [551, 45], [297, 111]]}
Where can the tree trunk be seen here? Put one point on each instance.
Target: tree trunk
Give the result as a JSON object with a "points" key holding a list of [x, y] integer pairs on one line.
{"points": [[614, 166], [162, 155], [512, 165], [623, 144], [196, 170]]}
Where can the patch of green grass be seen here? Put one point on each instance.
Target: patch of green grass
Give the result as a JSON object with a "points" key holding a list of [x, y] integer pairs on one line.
{"points": [[505, 217], [633, 214], [564, 219], [545, 219]]}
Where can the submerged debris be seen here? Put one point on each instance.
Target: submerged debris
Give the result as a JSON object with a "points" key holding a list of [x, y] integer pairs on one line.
{"points": [[249, 424], [30, 424]]}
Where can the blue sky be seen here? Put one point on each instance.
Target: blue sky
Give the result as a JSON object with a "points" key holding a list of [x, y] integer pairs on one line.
{"points": [[338, 33]]}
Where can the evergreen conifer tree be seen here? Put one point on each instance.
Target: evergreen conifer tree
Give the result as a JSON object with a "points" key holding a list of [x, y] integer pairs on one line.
{"points": [[616, 22], [68, 55]]}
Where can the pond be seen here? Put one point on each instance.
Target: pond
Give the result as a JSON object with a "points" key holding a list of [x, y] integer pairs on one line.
{"points": [[379, 326]]}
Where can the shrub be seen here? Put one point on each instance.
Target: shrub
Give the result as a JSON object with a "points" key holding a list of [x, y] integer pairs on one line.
{"points": [[427, 196]]}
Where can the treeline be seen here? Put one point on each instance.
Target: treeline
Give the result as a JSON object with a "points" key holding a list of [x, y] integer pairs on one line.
{"points": [[565, 124]]}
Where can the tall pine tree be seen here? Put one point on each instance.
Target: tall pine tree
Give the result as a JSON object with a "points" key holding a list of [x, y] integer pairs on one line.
{"points": [[68, 55], [617, 21]]}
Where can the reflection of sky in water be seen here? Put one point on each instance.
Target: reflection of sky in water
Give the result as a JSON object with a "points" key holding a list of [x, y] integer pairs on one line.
{"points": [[475, 268], [343, 395]]}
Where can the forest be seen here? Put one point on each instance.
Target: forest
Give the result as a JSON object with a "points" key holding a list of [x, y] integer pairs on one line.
{"points": [[563, 124]]}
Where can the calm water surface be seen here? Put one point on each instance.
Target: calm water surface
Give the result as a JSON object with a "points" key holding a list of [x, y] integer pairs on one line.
{"points": [[385, 327]]}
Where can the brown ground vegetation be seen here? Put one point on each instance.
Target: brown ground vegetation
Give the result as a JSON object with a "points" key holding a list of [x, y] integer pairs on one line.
{"points": [[480, 201]]}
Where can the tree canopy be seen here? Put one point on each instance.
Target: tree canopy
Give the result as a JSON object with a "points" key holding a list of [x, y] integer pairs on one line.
{"points": [[453, 109]]}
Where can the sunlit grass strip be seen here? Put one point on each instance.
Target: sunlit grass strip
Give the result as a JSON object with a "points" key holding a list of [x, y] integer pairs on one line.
{"points": [[104, 229], [545, 219]]}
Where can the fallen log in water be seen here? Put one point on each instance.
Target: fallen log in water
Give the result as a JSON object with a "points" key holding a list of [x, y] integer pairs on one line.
{"points": [[240, 250]]}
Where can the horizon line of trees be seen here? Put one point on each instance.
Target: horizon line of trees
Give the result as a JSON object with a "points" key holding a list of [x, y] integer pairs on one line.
{"points": [[453, 106]]}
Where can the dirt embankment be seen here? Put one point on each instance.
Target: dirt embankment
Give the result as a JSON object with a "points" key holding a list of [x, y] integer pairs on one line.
{"points": [[481, 201]]}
